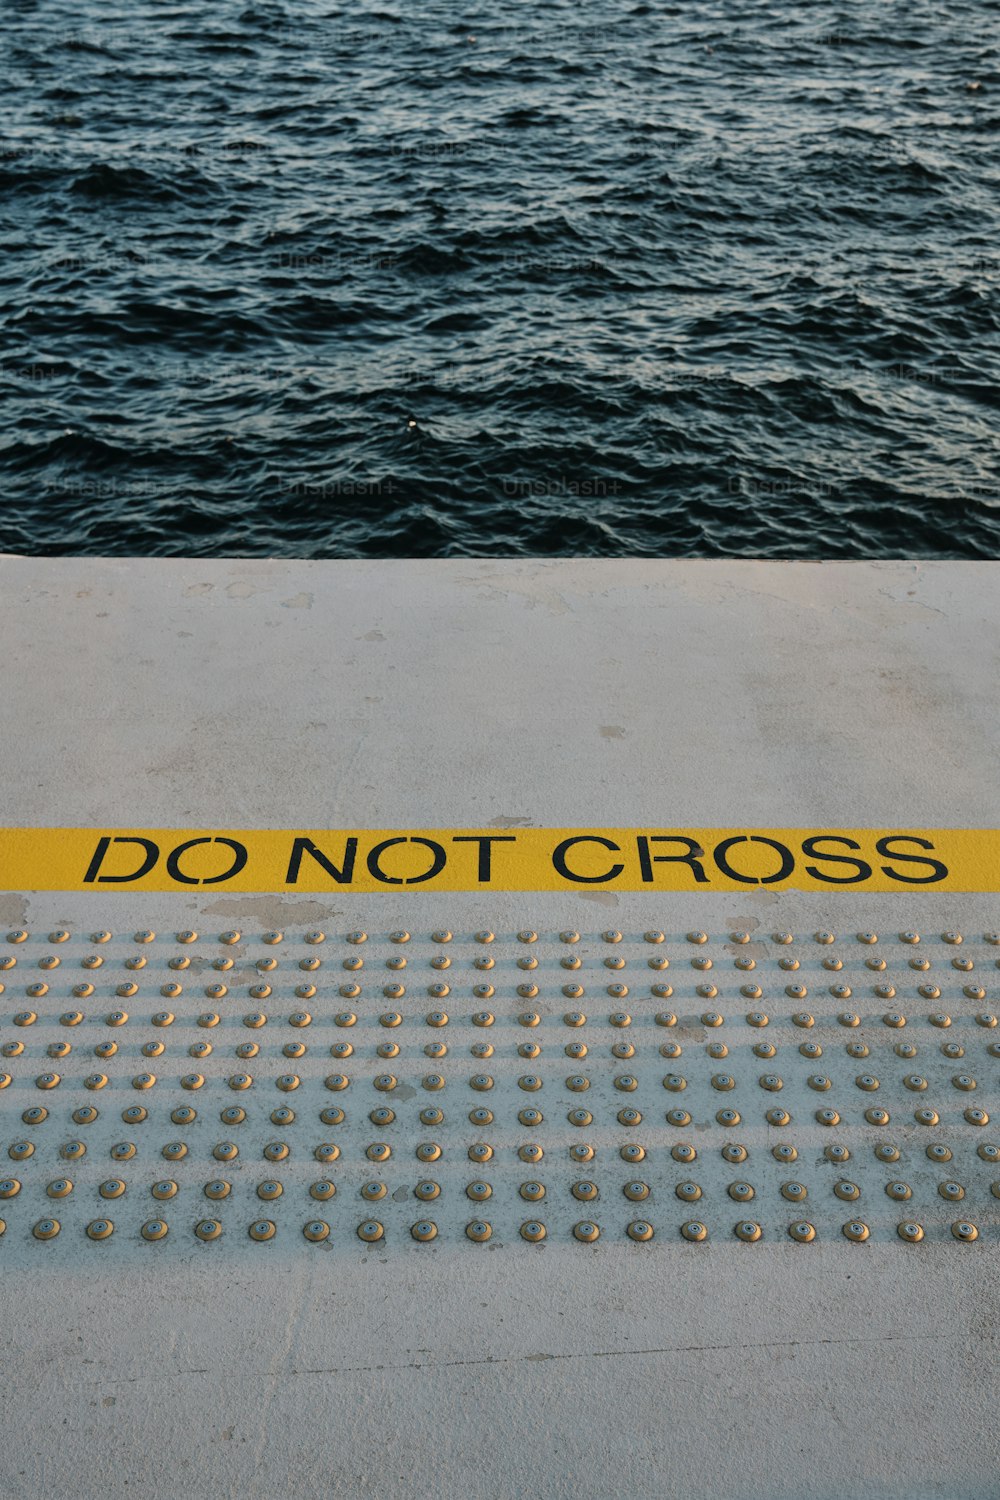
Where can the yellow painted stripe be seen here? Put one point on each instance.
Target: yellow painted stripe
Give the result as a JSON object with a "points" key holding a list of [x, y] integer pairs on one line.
{"points": [[512, 859]]}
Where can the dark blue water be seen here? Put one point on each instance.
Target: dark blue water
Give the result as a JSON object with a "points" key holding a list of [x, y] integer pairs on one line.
{"points": [[586, 277]]}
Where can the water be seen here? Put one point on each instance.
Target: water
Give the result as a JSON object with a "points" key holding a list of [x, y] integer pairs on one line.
{"points": [[588, 277]]}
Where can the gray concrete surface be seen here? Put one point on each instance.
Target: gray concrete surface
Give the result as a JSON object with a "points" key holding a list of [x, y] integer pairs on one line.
{"points": [[246, 694]]}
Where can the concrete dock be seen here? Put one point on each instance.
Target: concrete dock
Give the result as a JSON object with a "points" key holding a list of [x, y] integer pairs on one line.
{"points": [[484, 1028]]}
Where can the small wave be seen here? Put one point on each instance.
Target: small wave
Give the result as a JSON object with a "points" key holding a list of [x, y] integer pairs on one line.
{"points": [[101, 181], [85, 45]]}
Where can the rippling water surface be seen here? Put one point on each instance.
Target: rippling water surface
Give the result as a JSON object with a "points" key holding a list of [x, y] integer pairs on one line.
{"points": [[582, 277]]}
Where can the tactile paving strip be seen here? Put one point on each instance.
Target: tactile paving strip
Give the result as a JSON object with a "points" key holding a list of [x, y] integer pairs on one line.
{"points": [[326, 1088]]}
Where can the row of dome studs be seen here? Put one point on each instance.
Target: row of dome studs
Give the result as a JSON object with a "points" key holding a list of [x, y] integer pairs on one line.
{"points": [[484, 1050], [526, 1116], [528, 1082], [775, 1116], [85, 990], [745, 962], [571, 991], [181, 963], [526, 935], [576, 1050], [479, 1231], [533, 1192], [38, 1114], [390, 1019], [482, 1151]]}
